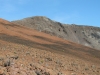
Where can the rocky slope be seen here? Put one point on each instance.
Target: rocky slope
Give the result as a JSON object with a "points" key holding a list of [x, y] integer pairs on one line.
{"points": [[85, 35], [25, 51]]}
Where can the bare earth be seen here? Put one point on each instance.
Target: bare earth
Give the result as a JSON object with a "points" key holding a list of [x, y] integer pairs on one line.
{"points": [[81, 34], [25, 51]]}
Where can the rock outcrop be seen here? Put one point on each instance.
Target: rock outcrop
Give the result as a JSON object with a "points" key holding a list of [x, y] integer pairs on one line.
{"points": [[85, 35]]}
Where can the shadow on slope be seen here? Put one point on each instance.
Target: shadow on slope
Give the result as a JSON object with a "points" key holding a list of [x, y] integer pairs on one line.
{"points": [[56, 47], [69, 48]]}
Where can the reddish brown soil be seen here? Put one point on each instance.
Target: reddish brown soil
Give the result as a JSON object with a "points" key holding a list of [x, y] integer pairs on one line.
{"points": [[24, 51], [81, 34]]}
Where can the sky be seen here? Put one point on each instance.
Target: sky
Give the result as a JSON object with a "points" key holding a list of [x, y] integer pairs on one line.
{"points": [[81, 12]]}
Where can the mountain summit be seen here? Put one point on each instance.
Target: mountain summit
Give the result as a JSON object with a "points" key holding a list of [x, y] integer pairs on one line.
{"points": [[85, 35]]}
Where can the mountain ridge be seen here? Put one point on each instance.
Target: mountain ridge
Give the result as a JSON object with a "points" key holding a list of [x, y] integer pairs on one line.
{"points": [[85, 35], [26, 51]]}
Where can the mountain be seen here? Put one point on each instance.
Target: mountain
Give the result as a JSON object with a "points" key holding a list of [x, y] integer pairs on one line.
{"points": [[25, 51], [84, 35]]}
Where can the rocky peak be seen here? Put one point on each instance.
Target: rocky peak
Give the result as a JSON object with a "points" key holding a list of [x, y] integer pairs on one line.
{"points": [[85, 35]]}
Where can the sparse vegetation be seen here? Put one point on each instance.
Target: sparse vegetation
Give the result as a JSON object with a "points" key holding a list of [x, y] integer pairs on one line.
{"points": [[24, 51]]}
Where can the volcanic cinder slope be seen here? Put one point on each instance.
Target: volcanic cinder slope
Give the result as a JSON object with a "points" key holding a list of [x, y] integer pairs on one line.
{"points": [[25, 51], [85, 35]]}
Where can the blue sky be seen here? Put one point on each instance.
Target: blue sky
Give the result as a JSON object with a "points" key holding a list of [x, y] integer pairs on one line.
{"points": [[81, 12]]}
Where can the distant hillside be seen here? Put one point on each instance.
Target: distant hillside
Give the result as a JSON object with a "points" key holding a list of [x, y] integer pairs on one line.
{"points": [[25, 51], [85, 35]]}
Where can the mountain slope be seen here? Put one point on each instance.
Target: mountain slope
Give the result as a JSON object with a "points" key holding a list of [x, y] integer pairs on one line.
{"points": [[25, 51], [85, 35]]}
